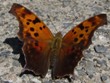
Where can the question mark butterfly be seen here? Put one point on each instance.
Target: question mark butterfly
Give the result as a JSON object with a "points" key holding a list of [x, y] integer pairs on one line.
{"points": [[42, 49]]}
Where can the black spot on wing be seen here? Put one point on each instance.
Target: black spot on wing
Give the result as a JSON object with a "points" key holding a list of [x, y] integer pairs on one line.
{"points": [[23, 15], [44, 26], [36, 34], [86, 30], [73, 30], [36, 20], [76, 39], [31, 28], [81, 26], [93, 23], [27, 23], [81, 35], [40, 28]]}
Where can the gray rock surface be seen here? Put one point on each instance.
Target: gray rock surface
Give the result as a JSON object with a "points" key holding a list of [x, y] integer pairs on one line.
{"points": [[93, 68]]}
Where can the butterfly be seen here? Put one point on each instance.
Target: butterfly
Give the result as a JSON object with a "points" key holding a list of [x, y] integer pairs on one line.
{"points": [[43, 50]]}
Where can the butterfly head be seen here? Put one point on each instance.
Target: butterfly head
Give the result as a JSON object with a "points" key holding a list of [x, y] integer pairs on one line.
{"points": [[59, 35], [57, 42]]}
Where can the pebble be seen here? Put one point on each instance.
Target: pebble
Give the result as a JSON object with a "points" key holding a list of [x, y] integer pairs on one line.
{"points": [[103, 78], [7, 82], [25, 78], [88, 56], [16, 63], [100, 48], [12, 69], [1, 81], [101, 62], [107, 54], [90, 68], [66, 2], [47, 81], [5, 53], [81, 72], [34, 80]]}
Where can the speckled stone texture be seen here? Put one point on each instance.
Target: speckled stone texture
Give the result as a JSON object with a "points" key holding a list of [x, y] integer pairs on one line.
{"points": [[64, 14]]}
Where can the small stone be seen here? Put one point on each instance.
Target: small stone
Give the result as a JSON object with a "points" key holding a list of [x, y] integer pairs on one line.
{"points": [[12, 69], [90, 68], [1, 81], [90, 76], [96, 8], [88, 56], [67, 24], [35, 80], [7, 65], [38, 12], [25, 78], [100, 49], [46, 81], [81, 72], [16, 63], [101, 62], [107, 55], [5, 53], [103, 78], [66, 3], [7, 82], [102, 38], [2, 59]]}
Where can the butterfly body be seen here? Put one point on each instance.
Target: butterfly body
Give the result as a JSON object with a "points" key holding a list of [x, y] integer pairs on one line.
{"points": [[55, 46], [57, 42], [42, 49]]}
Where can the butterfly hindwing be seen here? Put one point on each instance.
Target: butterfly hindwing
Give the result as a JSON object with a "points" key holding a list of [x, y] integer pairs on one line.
{"points": [[36, 57], [66, 62]]}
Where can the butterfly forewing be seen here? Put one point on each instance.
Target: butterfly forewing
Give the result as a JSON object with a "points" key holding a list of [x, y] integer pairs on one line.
{"points": [[82, 33], [30, 25]]}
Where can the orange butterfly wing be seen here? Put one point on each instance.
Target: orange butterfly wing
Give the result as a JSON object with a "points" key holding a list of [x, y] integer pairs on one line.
{"points": [[36, 37], [74, 42]]}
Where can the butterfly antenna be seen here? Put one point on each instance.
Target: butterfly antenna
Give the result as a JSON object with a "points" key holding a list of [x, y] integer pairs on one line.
{"points": [[52, 22]]}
